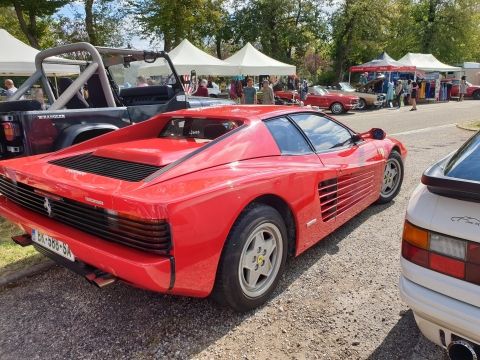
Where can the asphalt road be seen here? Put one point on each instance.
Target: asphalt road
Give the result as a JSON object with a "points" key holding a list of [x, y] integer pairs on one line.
{"points": [[339, 300]]}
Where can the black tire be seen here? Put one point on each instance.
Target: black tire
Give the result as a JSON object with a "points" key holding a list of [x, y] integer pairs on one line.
{"points": [[362, 105], [231, 285], [392, 178], [476, 95], [337, 108]]}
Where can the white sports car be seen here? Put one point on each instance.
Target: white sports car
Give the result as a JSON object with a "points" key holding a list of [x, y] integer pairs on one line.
{"points": [[440, 260]]}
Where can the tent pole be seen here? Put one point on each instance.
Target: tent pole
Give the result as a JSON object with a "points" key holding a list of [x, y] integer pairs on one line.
{"points": [[349, 76]]}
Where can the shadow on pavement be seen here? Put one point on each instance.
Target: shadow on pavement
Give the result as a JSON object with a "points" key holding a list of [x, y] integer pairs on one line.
{"points": [[401, 343], [58, 315]]}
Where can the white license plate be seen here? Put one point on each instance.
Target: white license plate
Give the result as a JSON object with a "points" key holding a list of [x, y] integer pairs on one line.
{"points": [[54, 245]]}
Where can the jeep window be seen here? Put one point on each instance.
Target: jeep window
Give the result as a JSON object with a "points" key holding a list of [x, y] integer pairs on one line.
{"points": [[201, 129]]}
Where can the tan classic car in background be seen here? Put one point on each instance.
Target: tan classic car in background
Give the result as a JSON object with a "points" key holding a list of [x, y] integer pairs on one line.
{"points": [[367, 100]]}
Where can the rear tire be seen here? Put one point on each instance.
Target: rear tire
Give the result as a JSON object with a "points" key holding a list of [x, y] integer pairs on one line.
{"points": [[253, 259], [476, 95], [337, 108], [392, 178]]}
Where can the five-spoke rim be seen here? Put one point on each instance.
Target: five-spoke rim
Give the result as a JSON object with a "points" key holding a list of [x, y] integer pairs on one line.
{"points": [[391, 177], [260, 260]]}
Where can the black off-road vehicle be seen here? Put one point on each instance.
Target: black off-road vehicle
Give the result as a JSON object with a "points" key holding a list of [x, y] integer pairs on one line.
{"points": [[98, 100]]}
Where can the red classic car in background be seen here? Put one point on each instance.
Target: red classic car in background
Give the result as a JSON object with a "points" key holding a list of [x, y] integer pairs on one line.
{"points": [[473, 91], [201, 201], [318, 96]]}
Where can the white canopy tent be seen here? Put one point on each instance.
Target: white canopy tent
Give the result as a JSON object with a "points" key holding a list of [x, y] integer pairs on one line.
{"points": [[426, 62], [250, 61], [18, 59], [187, 57]]}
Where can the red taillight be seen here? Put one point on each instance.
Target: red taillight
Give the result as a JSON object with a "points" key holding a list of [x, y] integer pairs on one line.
{"points": [[442, 253], [10, 131], [415, 254], [447, 266], [473, 253], [473, 273]]}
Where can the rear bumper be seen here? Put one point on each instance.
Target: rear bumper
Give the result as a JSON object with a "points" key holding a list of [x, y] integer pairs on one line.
{"points": [[149, 271], [434, 312]]}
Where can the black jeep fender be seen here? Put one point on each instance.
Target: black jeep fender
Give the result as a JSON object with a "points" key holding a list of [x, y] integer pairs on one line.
{"points": [[81, 132]]}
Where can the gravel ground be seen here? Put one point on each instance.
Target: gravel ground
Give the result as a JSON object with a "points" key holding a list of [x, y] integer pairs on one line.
{"points": [[339, 300]]}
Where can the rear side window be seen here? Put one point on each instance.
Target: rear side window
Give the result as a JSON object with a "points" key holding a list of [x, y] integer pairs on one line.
{"points": [[287, 136], [204, 129]]}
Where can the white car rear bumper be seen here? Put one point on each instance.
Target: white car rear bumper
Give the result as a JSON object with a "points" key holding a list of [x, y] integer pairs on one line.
{"points": [[434, 312]]}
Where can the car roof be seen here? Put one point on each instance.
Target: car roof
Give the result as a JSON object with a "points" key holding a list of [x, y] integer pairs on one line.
{"points": [[240, 112]]}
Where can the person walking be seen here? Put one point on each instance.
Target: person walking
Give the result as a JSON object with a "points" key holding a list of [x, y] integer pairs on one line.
{"points": [[407, 91], [267, 93], [390, 93], [413, 96], [202, 89], [399, 93], [462, 88], [249, 93]]}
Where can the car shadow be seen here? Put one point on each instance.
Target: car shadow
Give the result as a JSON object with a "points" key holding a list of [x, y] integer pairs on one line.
{"points": [[405, 341], [74, 318]]}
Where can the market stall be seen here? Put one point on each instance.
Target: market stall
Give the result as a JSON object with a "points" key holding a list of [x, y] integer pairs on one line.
{"points": [[187, 57]]}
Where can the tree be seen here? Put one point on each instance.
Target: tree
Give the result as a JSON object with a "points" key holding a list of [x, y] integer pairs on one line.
{"points": [[97, 23], [30, 15], [173, 21]]}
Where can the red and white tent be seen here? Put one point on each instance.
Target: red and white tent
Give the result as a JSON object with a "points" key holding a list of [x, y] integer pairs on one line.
{"points": [[383, 64]]}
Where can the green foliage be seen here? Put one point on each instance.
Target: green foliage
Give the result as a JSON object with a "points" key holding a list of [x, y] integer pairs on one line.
{"points": [[173, 21], [32, 16], [108, 31]]}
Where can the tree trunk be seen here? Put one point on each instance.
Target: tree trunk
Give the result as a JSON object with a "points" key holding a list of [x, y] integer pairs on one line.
{"points": [[28, 29], [218, 45], [89, 22]]}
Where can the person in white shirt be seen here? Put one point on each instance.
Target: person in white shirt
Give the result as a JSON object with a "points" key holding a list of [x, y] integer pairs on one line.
{"points": [[10, 87]]}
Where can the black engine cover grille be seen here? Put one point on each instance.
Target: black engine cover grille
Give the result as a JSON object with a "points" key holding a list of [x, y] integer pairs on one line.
{"points": [[152, 236], [113, 168]]}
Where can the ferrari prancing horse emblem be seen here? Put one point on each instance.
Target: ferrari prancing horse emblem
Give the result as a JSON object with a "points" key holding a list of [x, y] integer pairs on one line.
{"points": [[48, 206]]}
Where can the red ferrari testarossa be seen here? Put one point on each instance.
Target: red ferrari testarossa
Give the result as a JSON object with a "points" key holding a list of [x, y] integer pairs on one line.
{"points": [[200, 201]]}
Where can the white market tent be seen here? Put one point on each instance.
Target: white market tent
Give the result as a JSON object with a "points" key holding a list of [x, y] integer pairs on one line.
{"points": [[250, 61], [426, 62], [187, 57], [18, 59]]}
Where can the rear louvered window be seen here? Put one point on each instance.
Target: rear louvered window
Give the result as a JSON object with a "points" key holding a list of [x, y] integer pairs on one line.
{"points": [[112, 168]]}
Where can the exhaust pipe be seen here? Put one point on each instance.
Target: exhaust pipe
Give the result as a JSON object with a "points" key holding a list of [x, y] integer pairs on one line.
{"points": [[100, 280], [461, 350]]}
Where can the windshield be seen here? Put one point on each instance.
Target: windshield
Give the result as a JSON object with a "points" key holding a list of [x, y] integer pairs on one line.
{"points": [[317, 90], [346, 86], [465, 163], [141, 74], [198, 129]]}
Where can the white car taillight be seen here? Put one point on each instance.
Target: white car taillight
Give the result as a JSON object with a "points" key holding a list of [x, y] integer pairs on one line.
{"points": [[448, 246]]}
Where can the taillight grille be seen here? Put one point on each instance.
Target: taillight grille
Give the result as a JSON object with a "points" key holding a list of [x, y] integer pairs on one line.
{"points": [[113, 168], [148, 235], [442, 253]]}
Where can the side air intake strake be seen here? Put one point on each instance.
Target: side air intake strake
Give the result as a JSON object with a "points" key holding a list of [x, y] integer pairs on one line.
{"points": [[112, 168], [144, 234], [340, 194]]}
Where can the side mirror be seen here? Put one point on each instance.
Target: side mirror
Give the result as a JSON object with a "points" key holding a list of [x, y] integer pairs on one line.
{"points": [[377, 134], [374, 133]]}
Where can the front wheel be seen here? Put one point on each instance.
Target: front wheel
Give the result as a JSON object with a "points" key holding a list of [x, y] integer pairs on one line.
{"points": [[253, 259], [476, 95], [392, 178], [336, 108], [362, 105]]}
